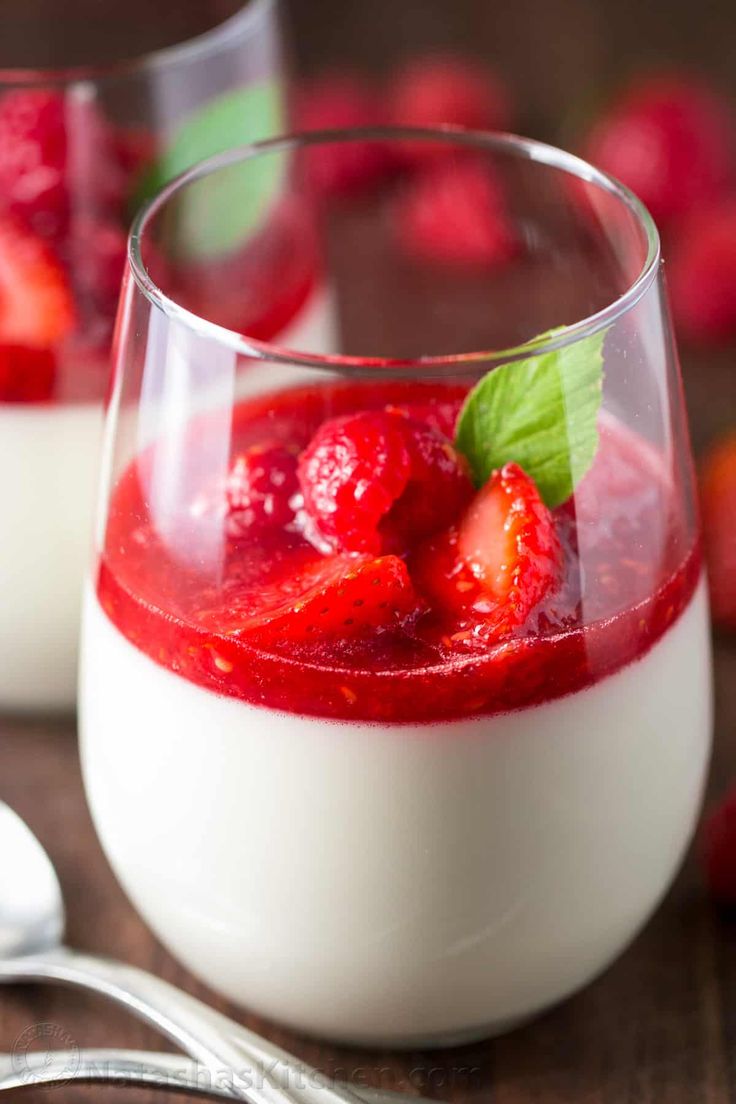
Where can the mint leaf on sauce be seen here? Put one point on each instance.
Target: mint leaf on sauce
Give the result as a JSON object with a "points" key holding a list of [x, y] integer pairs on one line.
{"points": [[541, 413]]}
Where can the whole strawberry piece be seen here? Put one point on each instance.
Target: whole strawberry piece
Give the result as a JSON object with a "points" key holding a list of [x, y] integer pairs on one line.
{"points": [[337, 102], [351, 473], [669, 138], [455, 214], [260, 486], [379, 481], [702, 275], [447, 89], [719, 851], [718, 504]]}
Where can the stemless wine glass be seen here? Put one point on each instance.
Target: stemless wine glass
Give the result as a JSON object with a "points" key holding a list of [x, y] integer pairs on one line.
{"points": [[86, 133], [395, 684]]}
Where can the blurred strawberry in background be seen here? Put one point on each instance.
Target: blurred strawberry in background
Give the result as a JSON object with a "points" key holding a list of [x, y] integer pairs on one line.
{"points": [[669, 138], [428, 91], [718, 501], [338, 101], [456, 214], [702, 274], [447, 89]]}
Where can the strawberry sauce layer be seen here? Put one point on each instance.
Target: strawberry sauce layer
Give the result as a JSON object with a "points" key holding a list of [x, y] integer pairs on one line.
{"points": [[230, 587]]}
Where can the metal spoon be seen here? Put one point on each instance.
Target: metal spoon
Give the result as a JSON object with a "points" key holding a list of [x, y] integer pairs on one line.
{"points": [[171, 1072], [31, 949]]}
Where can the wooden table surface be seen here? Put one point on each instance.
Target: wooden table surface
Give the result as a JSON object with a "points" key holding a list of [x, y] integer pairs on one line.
{"points": [[660, 1025]]}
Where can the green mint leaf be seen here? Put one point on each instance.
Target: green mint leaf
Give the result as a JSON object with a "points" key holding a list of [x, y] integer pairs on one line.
{"points": [[541, 413], [220, 211]]}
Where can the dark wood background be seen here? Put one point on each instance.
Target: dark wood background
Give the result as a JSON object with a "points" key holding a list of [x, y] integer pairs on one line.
{"points": [[660, 1026]]}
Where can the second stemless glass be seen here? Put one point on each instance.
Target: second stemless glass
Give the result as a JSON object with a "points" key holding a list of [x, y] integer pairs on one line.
{"points": [[378, 754], [80, 148]]}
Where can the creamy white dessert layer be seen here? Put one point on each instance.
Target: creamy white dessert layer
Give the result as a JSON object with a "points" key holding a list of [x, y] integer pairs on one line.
{"points": [[48, 475], [396, 883]]}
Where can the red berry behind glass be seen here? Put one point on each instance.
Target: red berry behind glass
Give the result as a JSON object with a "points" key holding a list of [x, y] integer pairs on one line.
{"points": [[718, 507], [447, 89], [670, 139], [702, 274], [456, 214], [338, 102]]}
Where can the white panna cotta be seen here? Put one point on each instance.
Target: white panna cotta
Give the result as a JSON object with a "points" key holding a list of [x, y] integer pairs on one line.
{"points": [[396, 883], [48, 456]]}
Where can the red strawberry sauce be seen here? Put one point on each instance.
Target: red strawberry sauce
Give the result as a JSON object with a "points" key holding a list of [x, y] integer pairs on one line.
{"points": [[184, 586]]}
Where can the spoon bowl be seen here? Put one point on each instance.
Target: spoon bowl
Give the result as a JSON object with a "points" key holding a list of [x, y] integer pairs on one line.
{"points": [[31, 905]]}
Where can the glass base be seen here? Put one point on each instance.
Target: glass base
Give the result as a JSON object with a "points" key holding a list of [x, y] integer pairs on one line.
{"points": [[441, 1041]]}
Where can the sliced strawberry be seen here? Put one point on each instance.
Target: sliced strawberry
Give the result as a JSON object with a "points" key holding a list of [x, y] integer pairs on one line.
{"points": [[380, 480], [338, 102], [718, 502], [340, 596], [508, 540], [445, 88], [26, 375], [502, 559], [456, 214], [36, 306], [446, 581]]}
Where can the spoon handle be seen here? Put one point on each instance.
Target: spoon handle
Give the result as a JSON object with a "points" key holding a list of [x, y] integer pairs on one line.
{"points": [[168, 1072], [258, 1070], [171, 1072]]}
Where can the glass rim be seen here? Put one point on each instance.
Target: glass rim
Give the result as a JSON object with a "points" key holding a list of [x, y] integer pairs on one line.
{"points": [[188, 49], [525, 148]]}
